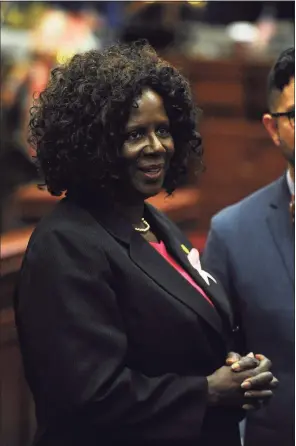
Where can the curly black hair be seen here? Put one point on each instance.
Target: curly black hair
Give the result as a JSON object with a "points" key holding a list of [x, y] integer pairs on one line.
{"points": [[280, 74], [77, 124]]}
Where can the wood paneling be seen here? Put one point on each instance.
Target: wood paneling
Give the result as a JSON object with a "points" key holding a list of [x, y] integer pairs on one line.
{"points": [[12, 247], [233, 88], [34, 203], [240, 158], [212, 95], [17, 420]]}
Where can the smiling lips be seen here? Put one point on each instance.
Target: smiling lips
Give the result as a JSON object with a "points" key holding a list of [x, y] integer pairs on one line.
{"points": [[152, 171]]}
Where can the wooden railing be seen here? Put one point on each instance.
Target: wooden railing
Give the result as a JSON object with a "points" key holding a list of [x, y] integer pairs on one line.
{"points": [[34, 203], [17, 421]]}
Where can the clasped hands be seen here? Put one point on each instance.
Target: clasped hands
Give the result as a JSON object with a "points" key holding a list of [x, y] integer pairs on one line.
{"points": [[259, 386], [243, 382]]}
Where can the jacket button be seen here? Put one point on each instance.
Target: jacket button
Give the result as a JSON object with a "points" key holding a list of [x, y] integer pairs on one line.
{"points": [[235, 329]]}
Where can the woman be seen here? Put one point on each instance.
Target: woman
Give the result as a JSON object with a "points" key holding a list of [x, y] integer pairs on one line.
{"points": [[124, 336]]}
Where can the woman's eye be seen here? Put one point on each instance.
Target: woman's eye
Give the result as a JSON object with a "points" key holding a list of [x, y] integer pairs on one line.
{"points": [[163, 131], [134, 135]]}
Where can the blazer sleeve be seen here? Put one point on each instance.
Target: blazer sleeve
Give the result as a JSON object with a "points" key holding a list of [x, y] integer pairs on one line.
{"points": [[216, 259], [75, 344]]}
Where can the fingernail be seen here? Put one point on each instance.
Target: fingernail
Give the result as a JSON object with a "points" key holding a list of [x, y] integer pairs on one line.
{"points": [[247, 407], [235, 366], [246, 385], [248, 394]]}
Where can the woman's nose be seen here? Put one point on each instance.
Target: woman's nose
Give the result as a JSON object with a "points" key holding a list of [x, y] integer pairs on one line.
{"points": [[155, 144]]}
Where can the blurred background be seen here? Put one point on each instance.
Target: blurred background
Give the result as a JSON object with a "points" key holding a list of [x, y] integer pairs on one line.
{"points": [[225, 49]]}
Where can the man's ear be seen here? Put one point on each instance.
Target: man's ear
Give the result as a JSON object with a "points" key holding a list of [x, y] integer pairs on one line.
{"points": [[271, 126]]}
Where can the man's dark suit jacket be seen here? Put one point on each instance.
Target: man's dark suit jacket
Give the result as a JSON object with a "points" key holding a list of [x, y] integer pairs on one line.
{"points": [[116, 343], [251, 250]]}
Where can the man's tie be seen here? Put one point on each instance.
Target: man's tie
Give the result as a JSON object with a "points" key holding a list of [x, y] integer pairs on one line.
{"points": [[292, 208]]}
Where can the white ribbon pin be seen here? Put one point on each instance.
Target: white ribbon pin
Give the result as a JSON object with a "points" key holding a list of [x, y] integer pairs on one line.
{"points": [[194, 260]]}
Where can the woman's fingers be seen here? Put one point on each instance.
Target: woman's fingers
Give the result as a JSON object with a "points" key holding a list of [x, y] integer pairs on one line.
{"points": [[251, 406], [262, 380], [274, 383], [232, 357], [264, 363], [245, 363], [260, 397], [259, 394]]}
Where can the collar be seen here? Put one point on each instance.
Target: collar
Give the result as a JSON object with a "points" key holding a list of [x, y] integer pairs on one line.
{"points": [[153, 265], [113, 221], [290, 182]]}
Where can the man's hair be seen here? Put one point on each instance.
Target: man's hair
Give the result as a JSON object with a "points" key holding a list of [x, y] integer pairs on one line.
{"points": [[78, 122], [280, 74]]}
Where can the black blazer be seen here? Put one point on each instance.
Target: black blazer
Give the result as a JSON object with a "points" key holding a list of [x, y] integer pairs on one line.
{"points": [[117, 344]]}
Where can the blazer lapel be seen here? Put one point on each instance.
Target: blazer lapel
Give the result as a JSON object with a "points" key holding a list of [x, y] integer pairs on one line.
{"points": [[173, 241], [174, 245], [281, 226], [213, 290], [152, 263], [159, 270]]}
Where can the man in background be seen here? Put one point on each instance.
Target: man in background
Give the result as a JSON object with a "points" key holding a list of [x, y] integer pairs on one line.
{"points": [[250, 248]]}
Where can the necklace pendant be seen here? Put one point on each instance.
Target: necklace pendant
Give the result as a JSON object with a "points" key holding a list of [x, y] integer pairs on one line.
{"points": [[145, 229]]}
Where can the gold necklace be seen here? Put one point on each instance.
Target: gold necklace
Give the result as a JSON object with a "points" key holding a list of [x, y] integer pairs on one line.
{"points": [[146, 229]]}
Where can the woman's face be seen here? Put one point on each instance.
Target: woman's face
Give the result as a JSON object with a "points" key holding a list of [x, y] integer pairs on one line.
{"points": [[148, 146]]}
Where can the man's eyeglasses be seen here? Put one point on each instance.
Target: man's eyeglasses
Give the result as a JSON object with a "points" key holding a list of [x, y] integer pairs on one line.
{"points": [[288, 114]]}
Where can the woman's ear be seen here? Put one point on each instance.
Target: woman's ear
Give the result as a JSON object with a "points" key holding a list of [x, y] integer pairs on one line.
{"points": [[271, 126]]}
